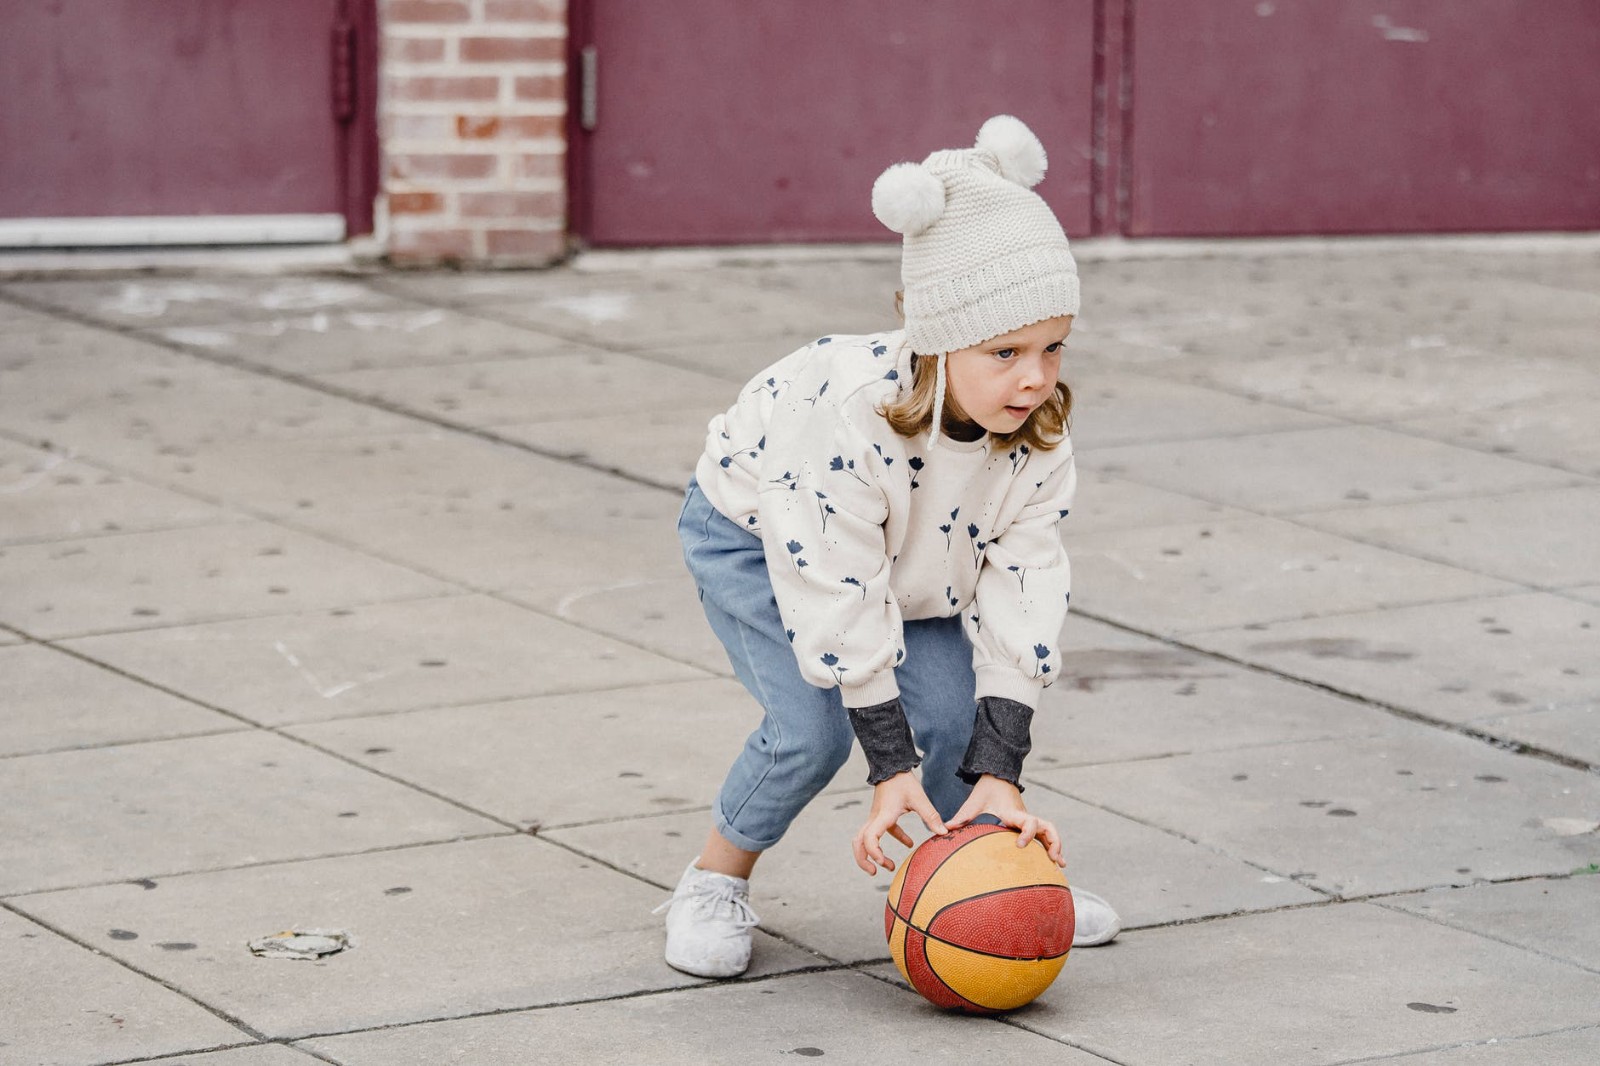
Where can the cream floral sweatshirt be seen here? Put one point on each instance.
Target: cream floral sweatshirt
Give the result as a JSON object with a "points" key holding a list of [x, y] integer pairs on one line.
{"points": [[864, 528]]}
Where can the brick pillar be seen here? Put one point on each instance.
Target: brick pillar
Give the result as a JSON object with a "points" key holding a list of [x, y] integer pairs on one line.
{"points": [[472, 117]]}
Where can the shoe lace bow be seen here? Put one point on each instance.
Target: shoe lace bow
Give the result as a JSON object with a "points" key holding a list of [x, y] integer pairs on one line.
{"points": [[719, 900]]}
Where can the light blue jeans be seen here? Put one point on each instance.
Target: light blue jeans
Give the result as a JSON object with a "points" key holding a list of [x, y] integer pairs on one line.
{"points": [[805, 736]]}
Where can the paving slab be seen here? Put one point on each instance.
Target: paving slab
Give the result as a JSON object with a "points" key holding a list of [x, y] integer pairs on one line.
{"points": [[68, 1006], [840, 1014], [217, 298], [642, 312], [1302, 470], [17, 321], [331, 342], [1320, 986], [1468, 661], [1574, 1048], [260, 1055], [657, 446], [541, 552], [1544, 537], [1552, 916], [1210, 575], [1571, 731], [577, 757], [1143, 699], [168, 806], [434, 469], [1107, 501], [441, 931], [661, 614], [52, 496], [150, 403], [1117, 407], [809, 890], [172, 577], [54, 700], [1558, 432], [378, 658], [1414, 809], [515, 391]]}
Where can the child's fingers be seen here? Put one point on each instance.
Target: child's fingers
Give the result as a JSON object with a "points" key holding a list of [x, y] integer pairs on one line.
{"points": [[930, 817], [900, 834], [859, 846], [1028, 827]]}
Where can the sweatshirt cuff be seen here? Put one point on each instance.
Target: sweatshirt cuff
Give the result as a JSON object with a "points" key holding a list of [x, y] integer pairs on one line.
{"points": [[885, 738], [881, 687], [1010, 684], [1001, 740]]}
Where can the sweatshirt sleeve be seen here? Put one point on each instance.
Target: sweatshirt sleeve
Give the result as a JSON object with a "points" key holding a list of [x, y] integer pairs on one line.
{"points": [[1022, 594], [823, 504]]}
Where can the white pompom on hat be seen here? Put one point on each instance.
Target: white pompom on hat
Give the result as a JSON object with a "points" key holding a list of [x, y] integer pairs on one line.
{"points": [[983, 255]]}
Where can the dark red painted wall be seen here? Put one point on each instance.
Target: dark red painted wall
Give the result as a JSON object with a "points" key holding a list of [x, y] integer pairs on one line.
{"points": [[183, 107], [1364, 116], [772, 125]]}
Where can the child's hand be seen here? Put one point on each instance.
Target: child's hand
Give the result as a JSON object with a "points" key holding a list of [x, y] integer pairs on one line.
{"points": [[1002, 799], [899, 795]]}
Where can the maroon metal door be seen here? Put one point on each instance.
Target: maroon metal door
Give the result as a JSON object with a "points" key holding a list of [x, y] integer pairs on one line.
{"points": [[187, 107], [1363, 116], [720, 122]]}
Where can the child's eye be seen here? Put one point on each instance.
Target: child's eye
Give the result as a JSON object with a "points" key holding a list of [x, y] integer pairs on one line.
{"points": [[1057, 346], [1005, 353]]}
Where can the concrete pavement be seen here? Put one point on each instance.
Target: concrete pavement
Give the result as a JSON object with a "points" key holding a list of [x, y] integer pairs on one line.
{"points": [[353, 602]]}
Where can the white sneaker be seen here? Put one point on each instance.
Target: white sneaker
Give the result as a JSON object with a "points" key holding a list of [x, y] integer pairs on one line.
{"points": [[708, 924], [1096, 924]]}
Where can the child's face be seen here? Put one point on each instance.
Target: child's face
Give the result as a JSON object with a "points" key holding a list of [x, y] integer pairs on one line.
{"points": [[1000, 382]]}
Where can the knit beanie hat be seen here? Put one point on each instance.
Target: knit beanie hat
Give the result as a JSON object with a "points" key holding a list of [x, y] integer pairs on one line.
{"points": [[983, 255]]}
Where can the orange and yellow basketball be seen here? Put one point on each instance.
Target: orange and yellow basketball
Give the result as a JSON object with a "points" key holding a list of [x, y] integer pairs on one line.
{"points": [[976, 923]]}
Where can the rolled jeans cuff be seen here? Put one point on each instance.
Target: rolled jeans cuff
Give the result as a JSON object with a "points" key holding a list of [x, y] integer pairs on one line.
{"points": [[1001, 740], [885, 738]]}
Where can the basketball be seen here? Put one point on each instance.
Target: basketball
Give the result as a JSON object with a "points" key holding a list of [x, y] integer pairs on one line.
{"points": [[976, 923]]}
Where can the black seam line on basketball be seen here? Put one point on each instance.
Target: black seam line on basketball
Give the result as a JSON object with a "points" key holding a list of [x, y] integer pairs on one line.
{"points": [[926, 880], [980, 895], [990, 954], [943, 983]]}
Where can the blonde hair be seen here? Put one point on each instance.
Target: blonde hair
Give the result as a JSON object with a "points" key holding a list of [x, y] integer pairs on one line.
{"points": [[913, 414]]}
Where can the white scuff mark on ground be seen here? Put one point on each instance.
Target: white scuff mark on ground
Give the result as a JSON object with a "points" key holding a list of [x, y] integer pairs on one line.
{"points": [[327, 692], [1113, 557], [1430, 341], [199, 338], [400, 321], [571, 598], [29, 480], [307, 296], [1391, 32], [595, 307], [307, 944], [1570, 827], [147, 302]]}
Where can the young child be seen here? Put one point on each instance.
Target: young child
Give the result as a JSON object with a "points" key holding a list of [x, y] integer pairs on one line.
{"points": [[873, 531]]}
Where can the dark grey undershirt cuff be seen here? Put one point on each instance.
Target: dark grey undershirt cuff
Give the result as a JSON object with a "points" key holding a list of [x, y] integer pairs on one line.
{"points": [[885, 738], [1001, 740]]}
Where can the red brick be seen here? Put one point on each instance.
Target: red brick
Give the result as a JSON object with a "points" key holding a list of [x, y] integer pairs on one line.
{"points": [[511, 49], [544, 87], [542, 165], [525, 10], [545, 246], [477, 127], [441, 166], [413, 50], [426, 11], [527, 127], [431, 246], [428, 88], [415, 203], [523, 205]]}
